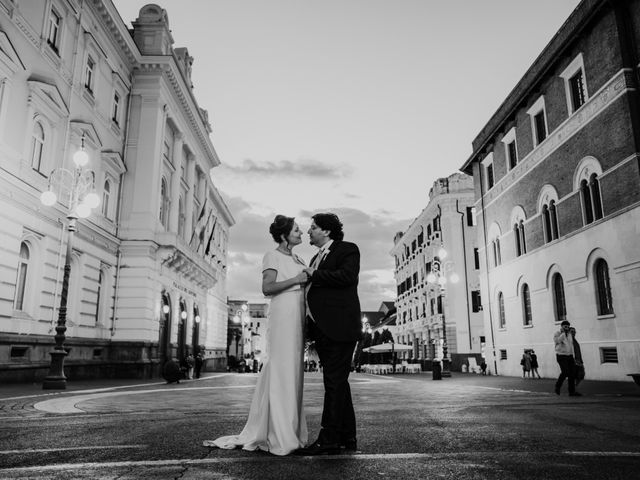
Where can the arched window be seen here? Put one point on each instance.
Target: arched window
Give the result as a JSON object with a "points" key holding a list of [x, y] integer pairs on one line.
{"points": [[603, 287], [546, 224], [164, 203], [21, 278], [516, 236], [37, 146], [523, 243], [527, 317], [558, 298], [98, 295], [553, 214], [181, 217], [503, 318], [106, 198], [594, 187], [495, 245], [587, 207]]}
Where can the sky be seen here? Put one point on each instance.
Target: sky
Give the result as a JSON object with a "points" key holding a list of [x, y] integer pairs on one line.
{"points": [[350, 106]]}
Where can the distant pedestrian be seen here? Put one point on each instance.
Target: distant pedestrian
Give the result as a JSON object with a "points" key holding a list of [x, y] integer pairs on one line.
{"points": [[171, 371], [564, 355], [190, 362], [525, 361], [198, 363], [534, 364], [577, 355], [483, 367]]}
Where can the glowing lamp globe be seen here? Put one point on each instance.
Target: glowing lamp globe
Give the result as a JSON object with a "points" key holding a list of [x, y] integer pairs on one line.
{"points": [[91, 200], [431, 278], [165, 309], [83, 211], [81, 158], [442, 253], [197, 319], [48, 198], [183, 314]]}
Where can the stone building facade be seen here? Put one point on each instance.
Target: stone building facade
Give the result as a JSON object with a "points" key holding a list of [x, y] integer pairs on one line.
{"points": [[557, 191], [424, 308], [148, 267]]}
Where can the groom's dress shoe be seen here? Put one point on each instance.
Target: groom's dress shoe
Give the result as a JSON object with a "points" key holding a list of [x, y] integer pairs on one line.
{"points": [[349, 445], [318, 448]]}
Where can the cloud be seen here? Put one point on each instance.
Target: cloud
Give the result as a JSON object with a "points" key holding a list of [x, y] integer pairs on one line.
{"points": [[372, 232], [302, 168]]}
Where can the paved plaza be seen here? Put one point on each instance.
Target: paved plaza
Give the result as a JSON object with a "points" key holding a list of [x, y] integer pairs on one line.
{"points": [[410, 426]]}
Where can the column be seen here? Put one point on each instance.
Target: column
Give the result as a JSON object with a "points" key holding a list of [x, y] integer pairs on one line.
{"points": [[191, 172], [175, 182]]}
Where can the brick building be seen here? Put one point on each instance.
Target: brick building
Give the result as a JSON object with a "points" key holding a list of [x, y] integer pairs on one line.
{"points": [[557, 189]]}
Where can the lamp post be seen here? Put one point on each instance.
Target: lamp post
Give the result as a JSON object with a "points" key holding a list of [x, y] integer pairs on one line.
{"points": [[438, 277], [79, 185]]}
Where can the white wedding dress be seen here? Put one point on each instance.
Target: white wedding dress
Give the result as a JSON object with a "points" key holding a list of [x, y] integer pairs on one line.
{"points": [[277, 422]]}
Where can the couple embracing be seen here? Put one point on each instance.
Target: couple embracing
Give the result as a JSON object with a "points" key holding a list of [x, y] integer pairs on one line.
{"points": [[323, 296]]}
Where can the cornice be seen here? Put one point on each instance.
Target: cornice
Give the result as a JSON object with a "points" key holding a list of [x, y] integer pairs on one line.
{"points": [[115, 26], [166, 65]]}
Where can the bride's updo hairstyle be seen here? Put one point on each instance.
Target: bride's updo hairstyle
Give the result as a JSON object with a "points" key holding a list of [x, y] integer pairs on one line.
{"points": [[281, 225]]}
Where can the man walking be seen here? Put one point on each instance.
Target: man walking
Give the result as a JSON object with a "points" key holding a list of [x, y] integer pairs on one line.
{"points": [[564, 355], [334, 324]]}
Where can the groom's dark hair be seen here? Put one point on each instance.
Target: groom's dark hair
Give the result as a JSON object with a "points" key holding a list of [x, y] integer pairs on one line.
{"points": [[331, 222]]}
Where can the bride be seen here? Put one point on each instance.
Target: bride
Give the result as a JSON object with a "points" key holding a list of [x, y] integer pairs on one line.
{"points": [[276, 421]]}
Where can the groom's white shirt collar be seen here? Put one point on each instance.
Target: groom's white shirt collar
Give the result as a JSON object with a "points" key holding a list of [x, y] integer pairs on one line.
{"points": [[324, 249]]}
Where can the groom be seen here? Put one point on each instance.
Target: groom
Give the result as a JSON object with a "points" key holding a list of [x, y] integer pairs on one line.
{"points": [[334, 324]]}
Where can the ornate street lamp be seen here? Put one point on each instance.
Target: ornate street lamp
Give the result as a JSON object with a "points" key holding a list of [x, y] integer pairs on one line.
{"points": [[440, 274], [79, 185]]}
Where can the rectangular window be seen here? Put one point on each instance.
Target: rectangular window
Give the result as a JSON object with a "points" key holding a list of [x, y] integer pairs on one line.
{"points": [[540, 127], [19, 353], [471, 216], [476, 259], [575, 84], [503, 354], [53, 35], [115, 110], [490, 179], [439, 300], [512, 155], [89, 72], [577, 90], [476, 302], [608, 355]]}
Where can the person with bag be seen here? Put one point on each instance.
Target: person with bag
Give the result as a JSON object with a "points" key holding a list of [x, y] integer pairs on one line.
{"points": [[577, 355], [525, 361]]}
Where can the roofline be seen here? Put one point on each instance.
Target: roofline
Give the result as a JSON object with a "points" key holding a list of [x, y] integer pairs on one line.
{"points": [[567, 33]]}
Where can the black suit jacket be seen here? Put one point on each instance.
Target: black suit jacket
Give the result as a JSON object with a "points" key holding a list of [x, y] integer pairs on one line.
{"points": [[333, 295]]}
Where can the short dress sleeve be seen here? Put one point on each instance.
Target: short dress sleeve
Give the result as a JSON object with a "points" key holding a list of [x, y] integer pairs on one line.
{"points": [[270, 261]]}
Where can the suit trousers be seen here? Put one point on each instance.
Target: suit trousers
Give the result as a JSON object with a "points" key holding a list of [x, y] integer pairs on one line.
{"points": [[567, 370], [338, 416]]}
